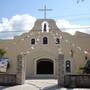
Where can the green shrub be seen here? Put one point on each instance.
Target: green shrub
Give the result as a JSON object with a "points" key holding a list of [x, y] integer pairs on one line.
{"points": [[2, 52]]}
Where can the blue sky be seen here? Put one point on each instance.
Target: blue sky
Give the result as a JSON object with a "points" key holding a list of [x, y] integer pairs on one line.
{"points": [[71, 13], [78, 13]]}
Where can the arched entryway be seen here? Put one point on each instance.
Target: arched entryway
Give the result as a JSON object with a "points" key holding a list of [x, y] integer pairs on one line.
{"points": [[45, 66]]}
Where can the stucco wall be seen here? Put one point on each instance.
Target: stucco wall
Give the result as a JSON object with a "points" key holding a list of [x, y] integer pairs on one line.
{"points": [[22, 45]]}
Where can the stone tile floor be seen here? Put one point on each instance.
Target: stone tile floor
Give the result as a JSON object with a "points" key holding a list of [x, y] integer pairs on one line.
{"points": [[38, 84]]}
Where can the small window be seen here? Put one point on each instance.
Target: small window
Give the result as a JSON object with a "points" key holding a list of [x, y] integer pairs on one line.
{"points": [[33, 41], [68, 66], [57, 41], [45, 40], [86, 57]]}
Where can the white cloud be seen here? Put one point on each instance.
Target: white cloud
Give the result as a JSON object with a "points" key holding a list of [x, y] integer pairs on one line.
{"points": [[16, 23], [66, 26], [22, 22], [25, 22]]}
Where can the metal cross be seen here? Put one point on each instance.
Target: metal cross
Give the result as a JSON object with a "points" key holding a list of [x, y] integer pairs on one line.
{"points": [[45, 10]]}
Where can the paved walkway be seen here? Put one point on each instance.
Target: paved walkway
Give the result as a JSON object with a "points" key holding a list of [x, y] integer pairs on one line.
{"points": [[38, 84]]}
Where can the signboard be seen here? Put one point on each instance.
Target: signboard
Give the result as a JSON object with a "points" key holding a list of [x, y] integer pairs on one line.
{"points": [[3, 64]]}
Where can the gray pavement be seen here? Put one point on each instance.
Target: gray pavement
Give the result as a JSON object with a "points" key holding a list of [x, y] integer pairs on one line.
{"points": [[38, 84]]}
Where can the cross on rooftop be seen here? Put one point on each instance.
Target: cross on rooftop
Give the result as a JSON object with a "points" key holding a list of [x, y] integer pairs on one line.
{"points": [[45, 11]]}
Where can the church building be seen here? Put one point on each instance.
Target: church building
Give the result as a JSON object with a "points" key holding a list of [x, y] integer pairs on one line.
{"points": [[40, 48]]}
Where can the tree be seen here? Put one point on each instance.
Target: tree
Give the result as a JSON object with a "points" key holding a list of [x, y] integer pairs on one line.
{"points": [[86, 68], [2, 52]]}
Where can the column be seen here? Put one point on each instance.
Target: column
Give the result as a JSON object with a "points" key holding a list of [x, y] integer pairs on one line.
{"points": [[60, 70], [20, 76]]}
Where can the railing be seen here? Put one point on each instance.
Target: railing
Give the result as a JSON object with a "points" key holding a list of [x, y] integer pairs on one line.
{"points": [[7, 79], [77, 81]]}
